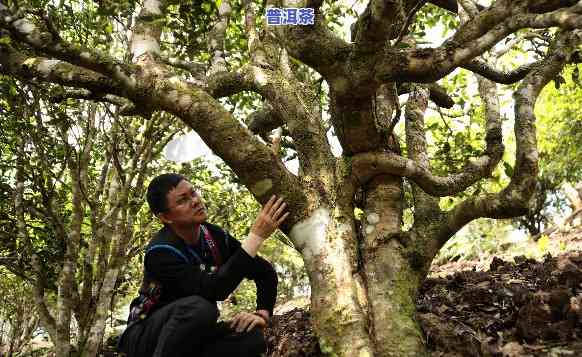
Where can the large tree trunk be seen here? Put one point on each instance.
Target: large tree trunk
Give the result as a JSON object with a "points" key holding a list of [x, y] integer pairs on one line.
{"points": [[391, 281], [328, 242], [363, 303], [363, 284]]}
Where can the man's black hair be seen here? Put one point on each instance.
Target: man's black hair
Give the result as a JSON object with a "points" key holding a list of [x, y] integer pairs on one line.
{"points": [[159, 188]]}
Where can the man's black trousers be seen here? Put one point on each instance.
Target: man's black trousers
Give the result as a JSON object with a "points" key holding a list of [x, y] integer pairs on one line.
{"points": [[188, 328]]}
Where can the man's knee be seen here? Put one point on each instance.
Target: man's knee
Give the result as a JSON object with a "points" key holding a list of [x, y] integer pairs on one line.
{"points": [[197, 308], [254, 342]]}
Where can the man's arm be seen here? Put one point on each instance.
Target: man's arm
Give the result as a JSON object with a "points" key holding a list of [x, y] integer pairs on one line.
{"points": [[187, 279], [183, 279], [265, 278]]}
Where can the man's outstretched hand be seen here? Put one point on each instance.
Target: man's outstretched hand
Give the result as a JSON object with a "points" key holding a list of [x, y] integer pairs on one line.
{"points": [[270, 217]]}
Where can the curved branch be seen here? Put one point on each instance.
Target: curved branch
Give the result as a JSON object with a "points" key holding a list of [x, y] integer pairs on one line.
{"points": [[513, 201], [264, 120], [291, 103], [225, 84], [484, 69], [194, 68], [299, 110], [367, 165]]}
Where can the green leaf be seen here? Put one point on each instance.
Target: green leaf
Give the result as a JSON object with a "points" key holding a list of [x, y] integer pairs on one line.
{"points": [[508, 169], [543, 243]]}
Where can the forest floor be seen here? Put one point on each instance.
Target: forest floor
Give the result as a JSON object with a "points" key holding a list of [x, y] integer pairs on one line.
{"points": [[512, 307]]}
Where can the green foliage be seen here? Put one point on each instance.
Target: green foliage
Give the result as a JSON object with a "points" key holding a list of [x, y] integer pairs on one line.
{"points": [[18, 317], [559, 114], [559, 121], [479, 239], [14, 121], [430, 17]]}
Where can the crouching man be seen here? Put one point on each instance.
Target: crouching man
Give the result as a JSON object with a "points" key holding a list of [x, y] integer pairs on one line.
{"points": [[188, 266]]}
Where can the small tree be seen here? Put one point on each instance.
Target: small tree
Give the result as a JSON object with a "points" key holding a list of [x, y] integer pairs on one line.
{"points": [[18, 319], [364, 275], [76, 190]]}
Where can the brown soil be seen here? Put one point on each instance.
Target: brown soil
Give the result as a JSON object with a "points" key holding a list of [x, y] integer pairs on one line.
{"points": [[520, 308]]}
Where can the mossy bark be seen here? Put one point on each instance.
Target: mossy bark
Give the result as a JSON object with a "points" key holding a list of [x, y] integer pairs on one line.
{"points": [[363, 300]]}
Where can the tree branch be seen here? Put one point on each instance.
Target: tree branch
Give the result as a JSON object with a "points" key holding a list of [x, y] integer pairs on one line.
{"points": [[262, 121], [514, 199], [484, 69], [438, 94], [126, 107], [54, 71], [541, 6], [44, 41], [146, 32], [426, 208], [450, 5], [225, 84], [196, 69], [299, 110], [315, 45], [216, 38], [257, 48], [291, 103], [367, 165], [471, 40], [382, 21]]}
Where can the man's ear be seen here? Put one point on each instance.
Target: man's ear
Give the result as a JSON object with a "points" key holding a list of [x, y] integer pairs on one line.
{"points": [[164, 218]]}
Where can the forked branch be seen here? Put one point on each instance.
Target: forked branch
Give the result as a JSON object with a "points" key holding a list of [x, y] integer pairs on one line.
{"points": [[514, 199]]}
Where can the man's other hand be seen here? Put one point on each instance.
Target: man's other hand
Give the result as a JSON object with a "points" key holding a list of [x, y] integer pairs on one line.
{"points": [[244, 321]]}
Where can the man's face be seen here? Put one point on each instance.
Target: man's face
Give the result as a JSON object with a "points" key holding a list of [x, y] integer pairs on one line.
{"points": [[185, 206]]}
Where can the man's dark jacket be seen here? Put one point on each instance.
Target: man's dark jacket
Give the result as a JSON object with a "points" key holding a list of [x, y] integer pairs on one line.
{"points": [[180, 278]]}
